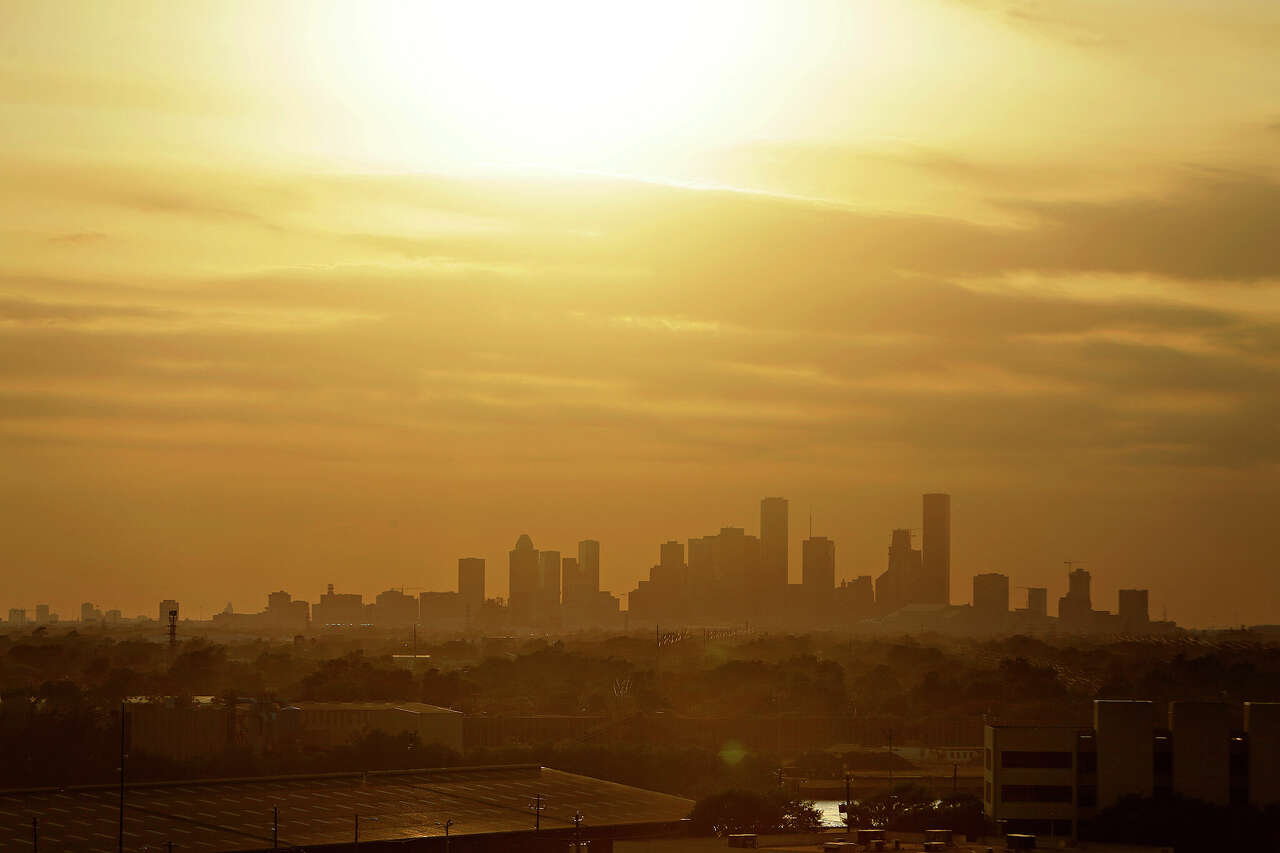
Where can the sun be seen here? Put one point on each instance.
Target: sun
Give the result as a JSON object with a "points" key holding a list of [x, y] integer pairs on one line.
{"points": [[569, 83]]}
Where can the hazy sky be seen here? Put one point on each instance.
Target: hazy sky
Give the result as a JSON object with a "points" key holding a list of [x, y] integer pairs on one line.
{"points": [[296, 293]]}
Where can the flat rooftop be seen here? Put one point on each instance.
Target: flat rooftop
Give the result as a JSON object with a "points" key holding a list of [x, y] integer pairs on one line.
{"points": [[235, 814]]}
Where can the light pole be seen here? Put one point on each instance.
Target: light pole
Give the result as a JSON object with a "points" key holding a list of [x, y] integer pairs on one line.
{"points": [[275, 827], [537, 805], [448, 822], [577, 830]]}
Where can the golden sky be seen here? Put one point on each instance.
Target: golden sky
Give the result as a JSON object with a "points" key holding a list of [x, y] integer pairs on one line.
{"points": [[296, 293]]}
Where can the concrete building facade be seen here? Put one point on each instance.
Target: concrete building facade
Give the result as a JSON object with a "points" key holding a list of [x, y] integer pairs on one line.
{"points": [[1048, 780]]}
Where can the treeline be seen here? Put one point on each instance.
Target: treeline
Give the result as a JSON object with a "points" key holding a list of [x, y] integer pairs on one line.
{"points": [[1017, 678]]}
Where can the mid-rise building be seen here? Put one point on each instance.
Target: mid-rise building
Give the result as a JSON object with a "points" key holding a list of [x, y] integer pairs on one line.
{"points": [[471, 585], [1049, 780], [1132, 609], [17, 616], [1038, 601], [991, 594], [339, 609], [393, 608]]}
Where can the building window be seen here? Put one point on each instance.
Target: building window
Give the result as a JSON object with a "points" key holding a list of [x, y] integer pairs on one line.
{"points": [[1012, 758], [1087, 796], [987, 791], [1035, 793], [988, 750]]}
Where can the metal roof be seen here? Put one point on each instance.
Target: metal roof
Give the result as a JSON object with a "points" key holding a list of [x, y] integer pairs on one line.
{"points": [[235, 814]]}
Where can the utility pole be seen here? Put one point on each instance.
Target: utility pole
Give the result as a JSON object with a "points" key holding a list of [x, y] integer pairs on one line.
{"points": [[537, 806], [577, 830], [848, 799], [124, 716], [955, 769], [275, 827], [35, 835]]}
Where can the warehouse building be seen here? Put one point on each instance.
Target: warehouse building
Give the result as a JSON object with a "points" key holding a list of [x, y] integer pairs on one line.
{"points": [[483, 810]]}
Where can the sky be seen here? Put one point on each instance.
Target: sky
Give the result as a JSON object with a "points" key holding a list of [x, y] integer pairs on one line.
{"points": [[304, 293]]}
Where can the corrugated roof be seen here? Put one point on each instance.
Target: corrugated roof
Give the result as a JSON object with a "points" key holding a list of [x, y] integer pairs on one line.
{"points": [[224, 815]]}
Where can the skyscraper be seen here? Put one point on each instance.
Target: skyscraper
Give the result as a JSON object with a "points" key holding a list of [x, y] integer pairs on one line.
{"points": [[1077, 604], [548, 598], [471, 585], [936, 549], [818, 568], [589, 563], [773, 544], [522, 567], [900, 583]]}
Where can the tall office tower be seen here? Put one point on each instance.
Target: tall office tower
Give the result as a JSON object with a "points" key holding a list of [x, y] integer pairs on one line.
{"points": [[1133, 609], [1037, 601], [589, 562], [701, 571], [471, 585], [991, 594], [575, 588], [936, 548], [818, 568], [1077, 604], [548, 600], [522, 568], [670, 571], [165, 606], [42, 614], [774, 544], [902, 582]]}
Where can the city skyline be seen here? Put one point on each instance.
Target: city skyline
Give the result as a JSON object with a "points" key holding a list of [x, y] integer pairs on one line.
{"points": [[552, 591]]}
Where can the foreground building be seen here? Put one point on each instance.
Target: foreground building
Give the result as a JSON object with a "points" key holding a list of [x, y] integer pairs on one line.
{"points": [[486, 808], [1048, 780]]}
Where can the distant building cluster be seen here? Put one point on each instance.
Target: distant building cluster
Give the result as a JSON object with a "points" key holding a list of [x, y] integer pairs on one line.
{"points": [[730, 577], [734, 576]]}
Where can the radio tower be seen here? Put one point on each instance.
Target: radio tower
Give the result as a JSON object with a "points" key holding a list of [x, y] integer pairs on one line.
{"points": [[173, 628]]}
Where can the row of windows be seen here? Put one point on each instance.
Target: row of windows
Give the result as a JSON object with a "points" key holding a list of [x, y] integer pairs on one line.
{"points": [[1035, 793], [1027, 759]]}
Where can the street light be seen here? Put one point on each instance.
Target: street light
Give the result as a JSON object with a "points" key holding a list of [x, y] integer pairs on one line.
{"points": [[447, 823]]}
